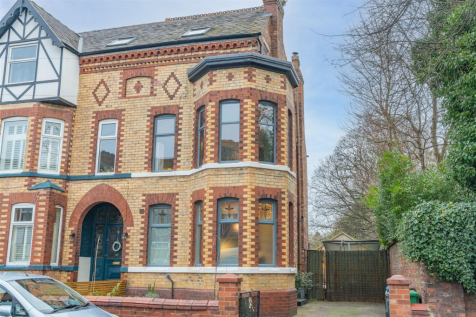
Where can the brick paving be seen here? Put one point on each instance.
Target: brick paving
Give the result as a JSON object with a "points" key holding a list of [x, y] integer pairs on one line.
{"points": [[338, 309]]}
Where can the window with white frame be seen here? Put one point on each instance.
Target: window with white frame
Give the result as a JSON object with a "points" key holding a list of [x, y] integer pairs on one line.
{"points": [[106, 150], [197, 31], [55, 246], [21, 234], [22, 63], [51, 142], [13, 144]]}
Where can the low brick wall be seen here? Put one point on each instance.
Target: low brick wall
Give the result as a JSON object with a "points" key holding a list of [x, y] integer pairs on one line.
{"points": [[145, 307], [444, 299], [278, 303]]}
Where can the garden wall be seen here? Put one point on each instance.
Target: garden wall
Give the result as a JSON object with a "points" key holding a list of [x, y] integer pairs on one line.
{"points": [[444, 299]]}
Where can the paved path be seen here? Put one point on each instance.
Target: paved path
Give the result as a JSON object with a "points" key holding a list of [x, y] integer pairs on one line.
{"points": [[338, 309]]}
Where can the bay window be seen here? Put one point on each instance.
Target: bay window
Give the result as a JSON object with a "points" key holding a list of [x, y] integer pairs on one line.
{"points": [[21, 234], [51, 143], [230, 131], [22, 63], [107, 142], [267, 132], [164, 144], [267, 233], [228, 232], [199, 234], [201, 136], [160, 222], [56, 242], [13, 144]]}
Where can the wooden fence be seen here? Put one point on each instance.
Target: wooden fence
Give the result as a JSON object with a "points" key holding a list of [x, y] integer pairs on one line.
{"points": [[102, 287]]}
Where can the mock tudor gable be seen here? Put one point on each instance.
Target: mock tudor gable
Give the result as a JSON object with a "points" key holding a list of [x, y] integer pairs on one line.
{"points": [[38, 57]]}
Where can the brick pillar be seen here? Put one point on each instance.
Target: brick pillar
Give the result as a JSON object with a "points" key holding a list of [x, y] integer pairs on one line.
{"points": [[399, 290], [228, 290]]}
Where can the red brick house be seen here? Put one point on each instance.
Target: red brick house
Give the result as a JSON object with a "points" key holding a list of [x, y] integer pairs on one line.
{"points": [[170, 148]]}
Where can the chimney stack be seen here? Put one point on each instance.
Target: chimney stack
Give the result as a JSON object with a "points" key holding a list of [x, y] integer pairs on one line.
{"points": [[275, 8]]}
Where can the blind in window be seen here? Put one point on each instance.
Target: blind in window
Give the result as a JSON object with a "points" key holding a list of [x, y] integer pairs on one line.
{"points": [[21, 243], [50, 155], [13, 145]]}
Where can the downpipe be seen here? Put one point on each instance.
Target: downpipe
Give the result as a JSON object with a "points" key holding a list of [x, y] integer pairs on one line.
{"points": [[170, 279]]}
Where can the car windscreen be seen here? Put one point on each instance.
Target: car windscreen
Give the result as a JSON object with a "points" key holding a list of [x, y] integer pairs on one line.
{"points": [[47, 295]]}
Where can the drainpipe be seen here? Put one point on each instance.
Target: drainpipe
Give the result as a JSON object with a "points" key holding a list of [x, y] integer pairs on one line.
{"points": [[170, 279]]}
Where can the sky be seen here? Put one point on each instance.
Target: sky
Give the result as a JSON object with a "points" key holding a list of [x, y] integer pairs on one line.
{"points": [[304, 22]]}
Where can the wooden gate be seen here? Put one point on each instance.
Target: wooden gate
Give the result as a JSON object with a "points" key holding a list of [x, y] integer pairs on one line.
{"points": [[353, 276]]}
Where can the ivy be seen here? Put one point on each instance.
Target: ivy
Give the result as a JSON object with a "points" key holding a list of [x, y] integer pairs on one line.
{"points": [[443, 237]]}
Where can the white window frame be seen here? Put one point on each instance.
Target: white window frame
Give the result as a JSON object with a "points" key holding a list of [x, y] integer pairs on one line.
{"points": [[24, 223], [101, 123], [10, 62], [126, 40], [3, 134], [194, 31], [60, 137], [59, 236]]}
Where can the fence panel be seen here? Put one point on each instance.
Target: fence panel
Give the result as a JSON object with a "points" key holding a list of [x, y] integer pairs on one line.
{"points": [[356, 276], [315, 261]]}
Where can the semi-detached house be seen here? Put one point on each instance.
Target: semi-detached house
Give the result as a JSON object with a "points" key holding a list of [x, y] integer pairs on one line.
{"points": [[170, 148]]}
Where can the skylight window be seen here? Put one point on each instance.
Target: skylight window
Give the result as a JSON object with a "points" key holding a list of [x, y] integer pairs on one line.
{"points": [[199, 31], [122, 41]]}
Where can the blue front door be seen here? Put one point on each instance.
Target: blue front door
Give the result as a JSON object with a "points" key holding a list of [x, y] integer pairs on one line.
{"points": [[107, 249]]}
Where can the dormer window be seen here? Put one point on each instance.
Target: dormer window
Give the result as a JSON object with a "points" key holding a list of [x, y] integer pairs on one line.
{"points": [[22, 63], [122, 41], [198, 31]]}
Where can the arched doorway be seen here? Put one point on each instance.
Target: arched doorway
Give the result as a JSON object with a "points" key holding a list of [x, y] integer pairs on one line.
{"points": [[101, 241]]}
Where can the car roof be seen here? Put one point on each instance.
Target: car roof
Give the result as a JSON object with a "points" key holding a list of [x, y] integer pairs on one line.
{"points": [[11, 276]]}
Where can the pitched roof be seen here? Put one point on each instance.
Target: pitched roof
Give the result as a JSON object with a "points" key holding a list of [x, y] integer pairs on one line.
{"points": [[244, 22], [46, 185], [66, 35]]}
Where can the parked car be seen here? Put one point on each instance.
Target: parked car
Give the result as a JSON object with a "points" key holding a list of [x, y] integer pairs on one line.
{"points": [[23, 294]]}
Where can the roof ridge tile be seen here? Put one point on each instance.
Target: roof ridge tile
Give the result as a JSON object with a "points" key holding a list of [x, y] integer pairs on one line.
{"points": [[213, 14]]}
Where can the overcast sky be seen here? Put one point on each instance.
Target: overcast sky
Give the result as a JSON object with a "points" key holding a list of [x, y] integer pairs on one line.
{"points": [[325, 106]]}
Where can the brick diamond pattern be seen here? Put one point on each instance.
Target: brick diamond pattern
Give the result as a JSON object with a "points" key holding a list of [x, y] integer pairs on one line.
{"points": [[172, 86], [101, 92]]}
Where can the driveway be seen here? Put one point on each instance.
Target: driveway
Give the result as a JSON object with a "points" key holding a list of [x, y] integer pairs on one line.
{"points": [[337, 309]]}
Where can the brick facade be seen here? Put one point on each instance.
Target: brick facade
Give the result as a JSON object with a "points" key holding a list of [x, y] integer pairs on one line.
{"points": [[134, 88]]}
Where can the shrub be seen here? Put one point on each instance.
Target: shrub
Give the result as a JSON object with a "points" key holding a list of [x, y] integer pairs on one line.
{"points": [[303, 280], [443, 237], [151, 293]]}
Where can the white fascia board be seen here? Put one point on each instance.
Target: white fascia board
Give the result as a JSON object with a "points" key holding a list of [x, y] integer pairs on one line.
{"points": [[213, 270], [281, 168]]}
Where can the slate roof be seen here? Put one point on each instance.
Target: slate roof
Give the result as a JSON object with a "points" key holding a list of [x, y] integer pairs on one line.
{"points": [[224, 24], [66, 35]]}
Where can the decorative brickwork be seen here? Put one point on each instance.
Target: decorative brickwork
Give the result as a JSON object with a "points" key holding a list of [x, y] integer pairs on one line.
{"points": [[101, 92], [98, 117], [133, 77], [172, 86]]}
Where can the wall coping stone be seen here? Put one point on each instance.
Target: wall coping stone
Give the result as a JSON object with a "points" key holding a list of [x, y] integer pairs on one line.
{"points": [[229, 278], [156, 303], [398, 280]]}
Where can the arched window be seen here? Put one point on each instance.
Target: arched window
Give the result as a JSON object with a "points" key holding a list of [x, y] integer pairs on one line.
{"points": [[164, 144], [201, 136], [228, 232], [107, 145], [198, 247], [55, 244], [230, 131], [160, 222], [21, 234], [13, 142], [267, 132], [267, 233]]}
